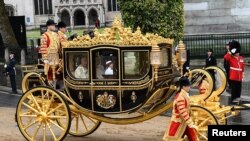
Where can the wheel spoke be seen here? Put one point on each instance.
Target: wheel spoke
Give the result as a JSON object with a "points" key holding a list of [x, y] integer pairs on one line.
{"points": [[30, 124], [53, 134], [36, 131], [77, 122], [62, 112], [202, 129], [30, 120], [31, 108], [72, 118], [203, 122], [56, 117], [43, 95], [59, 106], [44, 132], [34, 116], [52, 98], [84, 122], [37, 105], [56, 124], [91, 119], [26, 113], [203, 136]]}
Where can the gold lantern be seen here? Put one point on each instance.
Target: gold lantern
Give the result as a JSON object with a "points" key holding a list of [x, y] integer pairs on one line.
{"points": [[181, 55], [155, 59]]}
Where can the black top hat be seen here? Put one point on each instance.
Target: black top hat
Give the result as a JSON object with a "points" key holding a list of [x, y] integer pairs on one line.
{"points": [[184, 81], [61, 25], [50, 22], [11, 52], [234, 47], [210, 50], [227, 44]]}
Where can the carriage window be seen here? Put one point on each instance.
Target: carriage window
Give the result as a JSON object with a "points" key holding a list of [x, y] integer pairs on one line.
{"points": [[136, 64], [165, 57], [105, 64], [78, 64]]}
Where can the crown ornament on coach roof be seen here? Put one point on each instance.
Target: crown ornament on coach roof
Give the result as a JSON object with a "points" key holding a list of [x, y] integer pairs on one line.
{"points": [[117, 35]]}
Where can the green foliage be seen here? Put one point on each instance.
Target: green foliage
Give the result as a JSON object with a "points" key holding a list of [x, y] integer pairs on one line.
{"points": [[163, 17]]}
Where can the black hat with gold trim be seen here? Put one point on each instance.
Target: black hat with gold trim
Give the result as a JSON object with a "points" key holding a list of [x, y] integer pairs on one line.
{"points": [[61, 25], [184, 81], [50, 22]]}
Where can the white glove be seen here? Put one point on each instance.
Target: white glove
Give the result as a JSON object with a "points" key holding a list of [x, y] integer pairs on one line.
{"points": [[45, 61], [5, 66], [233, 50]]}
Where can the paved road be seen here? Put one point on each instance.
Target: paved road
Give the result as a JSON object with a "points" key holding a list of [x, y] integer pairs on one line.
{"points": [[151, 130]]}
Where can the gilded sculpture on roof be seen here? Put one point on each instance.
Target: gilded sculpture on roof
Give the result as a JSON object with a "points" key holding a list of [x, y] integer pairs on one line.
{"points": [[118, 35]]}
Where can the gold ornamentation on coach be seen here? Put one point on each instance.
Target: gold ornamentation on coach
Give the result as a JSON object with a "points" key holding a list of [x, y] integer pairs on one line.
{"points": [[117, 35], [106, 101], [133, 97]]}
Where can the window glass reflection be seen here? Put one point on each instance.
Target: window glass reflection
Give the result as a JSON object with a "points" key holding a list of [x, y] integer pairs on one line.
{"points": [[105, 64], [78, 65], [165, 57], [136, 64]]}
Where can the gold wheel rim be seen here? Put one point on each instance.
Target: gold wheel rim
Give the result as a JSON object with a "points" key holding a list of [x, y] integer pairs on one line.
{"points": [[196, 78], [202, 118], [35, 117], [25, 81]]}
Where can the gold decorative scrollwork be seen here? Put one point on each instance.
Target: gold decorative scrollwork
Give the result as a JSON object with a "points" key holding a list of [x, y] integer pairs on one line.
{"points": [[117, 35], [99, 83], [76, 82], [137, 82], [80, 96], [133, 97], [112, 83], [106, 101], [164, 72]]}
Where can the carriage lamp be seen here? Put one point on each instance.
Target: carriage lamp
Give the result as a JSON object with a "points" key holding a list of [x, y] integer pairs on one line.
{"points": [[181, 55], [155, 59]]}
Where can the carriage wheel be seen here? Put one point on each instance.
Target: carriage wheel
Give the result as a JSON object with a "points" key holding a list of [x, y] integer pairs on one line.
{"points": [[31, 80], [222, 120], [197, 75], [81, 125], [35, 115], [202, 117]]}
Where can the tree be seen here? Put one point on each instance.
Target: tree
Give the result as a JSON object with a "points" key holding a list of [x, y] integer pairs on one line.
{"points": [[6, 31], [163, 17]]}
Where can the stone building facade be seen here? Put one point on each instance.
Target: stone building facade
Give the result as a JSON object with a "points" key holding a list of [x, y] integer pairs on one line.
{"points": [[202, 16], [75, 13], [217, 16], [86, 12]]}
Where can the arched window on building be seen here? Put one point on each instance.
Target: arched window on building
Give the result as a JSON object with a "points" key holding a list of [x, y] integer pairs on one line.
{"points": [[43, 7], [113, 5], [65, 17], [9, 10], [79, 17]]}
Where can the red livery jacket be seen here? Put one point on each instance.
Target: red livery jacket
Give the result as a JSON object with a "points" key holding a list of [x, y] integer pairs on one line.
{"points": [[62, 36], [50, 47], [236, 67], [180, 117]]}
